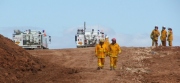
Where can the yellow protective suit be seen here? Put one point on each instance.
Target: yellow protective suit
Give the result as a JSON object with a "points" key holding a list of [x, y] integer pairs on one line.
{"points": [[100, 54], [163, 37], [170, 38], [114, 50], [154, 36], [106, 42]]}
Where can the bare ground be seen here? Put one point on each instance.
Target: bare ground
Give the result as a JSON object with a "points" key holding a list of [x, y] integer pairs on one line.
{"points": [[135, 65]]}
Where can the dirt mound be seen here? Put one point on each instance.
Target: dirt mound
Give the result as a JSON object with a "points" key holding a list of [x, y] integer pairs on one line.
{"points": [[15, 62]]}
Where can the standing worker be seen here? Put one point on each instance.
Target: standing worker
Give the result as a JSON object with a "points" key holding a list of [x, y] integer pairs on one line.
{"points": [[170, 36], [163, 36], [114, 51], [101, 51], [106, 42], [154, 36]]}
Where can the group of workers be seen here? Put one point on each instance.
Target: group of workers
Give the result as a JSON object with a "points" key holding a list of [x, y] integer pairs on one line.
{"points": [[104, 49], [165, 36]]}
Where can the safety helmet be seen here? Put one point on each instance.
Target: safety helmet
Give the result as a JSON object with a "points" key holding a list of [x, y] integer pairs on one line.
{"points": [[107, 37], [101, 40], [156, 27], [113, 39], [163, 27], [169, 28]]}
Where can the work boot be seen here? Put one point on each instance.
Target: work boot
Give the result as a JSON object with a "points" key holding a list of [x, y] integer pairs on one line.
{"points": [[101, 67], [111, 68], [98, 68]]}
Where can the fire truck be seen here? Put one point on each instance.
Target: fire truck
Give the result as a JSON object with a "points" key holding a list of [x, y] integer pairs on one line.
{"points": [[31, 39], [85, 38]]}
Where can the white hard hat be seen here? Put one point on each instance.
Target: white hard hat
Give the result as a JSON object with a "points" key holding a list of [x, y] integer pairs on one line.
{"points": [[101, 40], [163, 27], [107, 37]]}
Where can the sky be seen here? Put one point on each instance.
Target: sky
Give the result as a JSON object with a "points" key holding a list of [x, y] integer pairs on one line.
{"points": [[129, 21]]}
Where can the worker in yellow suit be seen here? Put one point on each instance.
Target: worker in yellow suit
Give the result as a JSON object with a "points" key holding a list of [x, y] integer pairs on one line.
{"points": [[114, 51], [106, 42], [170, 36], [101, 50], [154, 36], [163, 36]]}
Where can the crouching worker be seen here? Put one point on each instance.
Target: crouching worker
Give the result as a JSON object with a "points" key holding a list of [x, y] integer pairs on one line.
{"points": [[114, 51], [101, 50]]}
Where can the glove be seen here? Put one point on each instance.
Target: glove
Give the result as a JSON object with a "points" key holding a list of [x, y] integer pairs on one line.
{"points": [[110, 55], [119, 51]]}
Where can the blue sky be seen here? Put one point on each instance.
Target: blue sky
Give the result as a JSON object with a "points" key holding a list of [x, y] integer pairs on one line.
{"points": [[129, 21]]}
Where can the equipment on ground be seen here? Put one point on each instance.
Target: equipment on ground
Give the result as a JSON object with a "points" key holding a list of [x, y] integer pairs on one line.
{"points": [[85, 38], [31, 39]]}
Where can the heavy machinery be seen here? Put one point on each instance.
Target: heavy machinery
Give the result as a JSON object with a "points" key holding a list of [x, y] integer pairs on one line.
{"points": [[31, 39], [85, 38]]}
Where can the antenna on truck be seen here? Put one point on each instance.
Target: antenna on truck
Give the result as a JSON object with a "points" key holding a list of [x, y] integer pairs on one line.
{"points": [[84, 27], [84, 33]]}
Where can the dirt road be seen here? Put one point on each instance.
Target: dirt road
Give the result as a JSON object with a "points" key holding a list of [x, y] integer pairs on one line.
{"points": [[135, 65]]}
